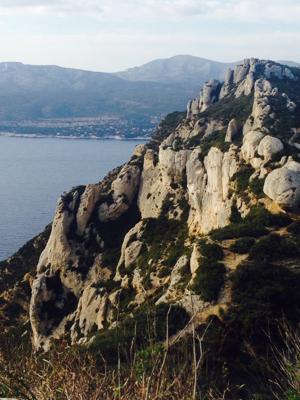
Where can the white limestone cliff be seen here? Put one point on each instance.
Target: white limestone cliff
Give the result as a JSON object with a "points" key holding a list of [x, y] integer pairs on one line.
{"points": [[191, 174]]}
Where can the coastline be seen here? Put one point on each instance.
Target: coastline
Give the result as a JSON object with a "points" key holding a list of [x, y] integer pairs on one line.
{"points": [[69, 137]]}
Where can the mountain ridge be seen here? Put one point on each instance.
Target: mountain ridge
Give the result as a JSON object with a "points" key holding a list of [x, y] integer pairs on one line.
{"points": [[199, 230]]}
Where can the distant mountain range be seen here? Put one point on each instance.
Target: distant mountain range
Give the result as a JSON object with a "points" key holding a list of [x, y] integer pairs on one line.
{"points": [[126, 103]]}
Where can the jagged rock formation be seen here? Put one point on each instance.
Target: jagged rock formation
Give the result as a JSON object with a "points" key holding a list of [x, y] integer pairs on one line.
{"points": [[134, 237]]}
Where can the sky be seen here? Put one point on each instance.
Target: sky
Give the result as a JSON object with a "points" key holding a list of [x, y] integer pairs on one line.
{"points": [[112, 35]]}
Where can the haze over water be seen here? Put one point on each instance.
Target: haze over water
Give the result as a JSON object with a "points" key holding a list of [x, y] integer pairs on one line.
{"points": [[35, 172]]}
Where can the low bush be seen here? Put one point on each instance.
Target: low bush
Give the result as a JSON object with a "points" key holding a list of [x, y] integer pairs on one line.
{"points": [[227, 108], [146, 326], [261, 293], [209, 280], [215, 139], [239, 230], [241, 177], [174, 253], [253, 225], [256, 186], [235, 216], [242, 245], [274, 247], [261, 216], [212, 251]]}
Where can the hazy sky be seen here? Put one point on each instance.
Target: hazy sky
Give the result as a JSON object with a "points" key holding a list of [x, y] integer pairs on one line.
{"points": [[111, 35]]}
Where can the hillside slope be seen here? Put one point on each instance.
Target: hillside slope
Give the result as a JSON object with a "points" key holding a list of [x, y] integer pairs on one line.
{"points": [[204, 218]]}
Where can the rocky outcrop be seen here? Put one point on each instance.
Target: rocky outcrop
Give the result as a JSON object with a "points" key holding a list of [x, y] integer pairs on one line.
{"points": [[241, 82], [133, 238]]}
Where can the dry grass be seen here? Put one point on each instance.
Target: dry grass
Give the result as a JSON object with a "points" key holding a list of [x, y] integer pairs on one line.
{"points": [[286, 371], [71, 373], [153, 373], [79, 375]]}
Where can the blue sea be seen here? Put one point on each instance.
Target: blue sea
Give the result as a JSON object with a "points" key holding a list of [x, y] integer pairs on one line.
{"points": [[34, 172]]}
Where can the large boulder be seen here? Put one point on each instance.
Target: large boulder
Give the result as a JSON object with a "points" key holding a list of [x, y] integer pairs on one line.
{"points": [[269, 146], [283, 185]]}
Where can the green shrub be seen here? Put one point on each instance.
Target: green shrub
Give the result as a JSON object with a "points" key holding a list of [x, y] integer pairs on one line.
{"points": [[253, 225], [212, 251], [274, 247], [235, 216], [262, 294], [215, 139], [164, 239], [146, 326], [293, 395], [209, 280], [228, 108], [125, 296], [242, 245], [261, 216], [256, 186], [174, 253], [146, 358], [238, 230], [178, 318], [241, 177]]}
